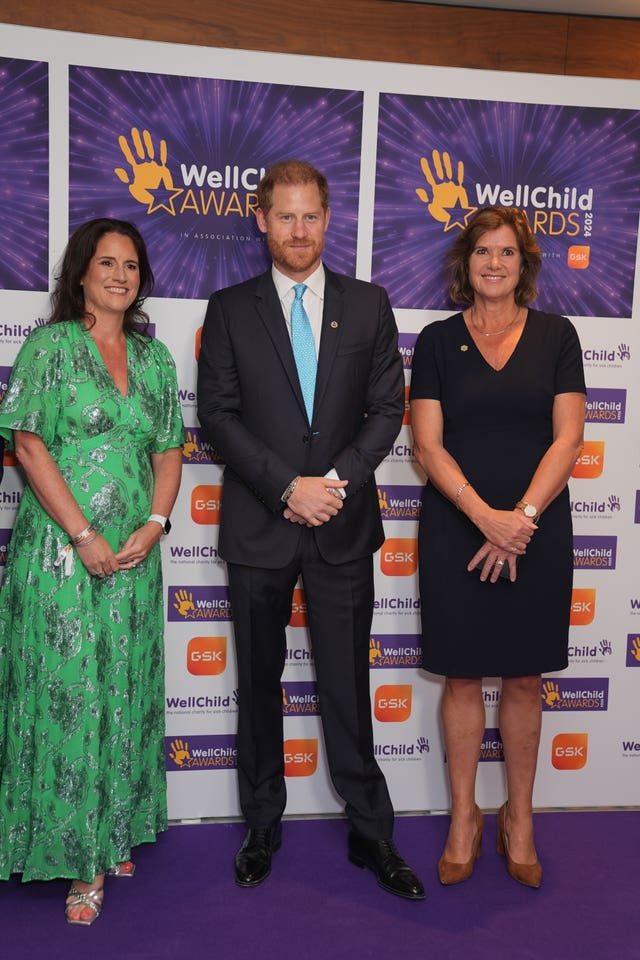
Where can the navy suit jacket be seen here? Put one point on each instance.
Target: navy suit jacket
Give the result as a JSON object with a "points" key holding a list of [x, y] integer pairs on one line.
{"points": [[251, 409]]}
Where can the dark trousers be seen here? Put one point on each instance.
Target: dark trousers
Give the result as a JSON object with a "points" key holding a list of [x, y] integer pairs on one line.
{"points": [[340, 608]]}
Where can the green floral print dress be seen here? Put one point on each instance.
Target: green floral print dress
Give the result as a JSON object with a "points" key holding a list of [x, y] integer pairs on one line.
{"points": [[82, 771]]}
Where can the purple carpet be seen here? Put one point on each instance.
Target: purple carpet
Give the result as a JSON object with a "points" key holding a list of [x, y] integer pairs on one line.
{"points": [[182, 903]]}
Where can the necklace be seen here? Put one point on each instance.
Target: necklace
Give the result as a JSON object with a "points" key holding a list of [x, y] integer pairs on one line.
{"points": [[492, 333]]}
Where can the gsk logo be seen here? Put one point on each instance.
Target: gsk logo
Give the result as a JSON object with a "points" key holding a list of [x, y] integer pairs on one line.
{"points": [[583, 606], [198, 343], [207, 656], [569, 751], [392, 703], [406, 420], [300, 757], [399, 557], [590, 463], [206, 500], [578, 257], [298, 609]]}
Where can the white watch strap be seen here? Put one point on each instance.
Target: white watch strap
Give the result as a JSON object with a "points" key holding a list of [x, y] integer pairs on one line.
{"points": [[158, 519]]}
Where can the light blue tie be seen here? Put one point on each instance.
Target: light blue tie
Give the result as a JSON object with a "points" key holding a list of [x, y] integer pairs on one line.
{"points": [[304, 348]]}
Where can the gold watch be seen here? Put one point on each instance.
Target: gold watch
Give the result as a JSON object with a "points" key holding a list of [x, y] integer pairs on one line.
{"points": [[528, 509]]}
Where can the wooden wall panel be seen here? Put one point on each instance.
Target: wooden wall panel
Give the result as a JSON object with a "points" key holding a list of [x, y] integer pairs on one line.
{"points": [[360, 29]]}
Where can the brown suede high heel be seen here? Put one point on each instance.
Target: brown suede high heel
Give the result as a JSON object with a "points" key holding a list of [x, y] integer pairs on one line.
{"points": [[450, 872], [530, 874]]}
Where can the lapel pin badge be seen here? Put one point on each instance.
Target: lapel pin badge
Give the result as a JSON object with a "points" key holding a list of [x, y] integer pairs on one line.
{"points": [[464, 348], [334, 324]]}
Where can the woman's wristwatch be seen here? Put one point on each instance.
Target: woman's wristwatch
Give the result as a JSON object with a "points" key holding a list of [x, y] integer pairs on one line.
{"points": [[164, 522], [529, 510]]}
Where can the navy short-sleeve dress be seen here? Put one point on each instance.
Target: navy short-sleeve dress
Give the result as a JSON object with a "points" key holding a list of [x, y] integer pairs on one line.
{"points": [[497, 426]]}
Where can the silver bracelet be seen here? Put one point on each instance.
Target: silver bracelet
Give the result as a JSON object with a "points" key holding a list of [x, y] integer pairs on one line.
{"points": [[459, 493], [285, 496]]}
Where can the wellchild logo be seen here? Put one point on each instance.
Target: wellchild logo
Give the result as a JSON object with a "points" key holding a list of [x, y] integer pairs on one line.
{"points": [[633, 650], [605, 406], [207, 656], [555, 209], [569, 751], [300, 699], [196, 449], [630, 748], [575, 693], [411, 750], [590, 653], [202, 704], [396, 606], [491, 748], [201, 753], [198, 603], [400, 453], [594, 553], [406, 346], [394, 650], [204, 192], [588, 509], [606, 356], [583, 606], [297, 656], [300, 757], [17, 332], [392, 703], [590, 463], [400, 502], [399, 557]]}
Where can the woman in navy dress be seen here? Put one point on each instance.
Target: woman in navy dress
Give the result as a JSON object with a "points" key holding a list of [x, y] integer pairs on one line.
{"points": [[497, 408]]}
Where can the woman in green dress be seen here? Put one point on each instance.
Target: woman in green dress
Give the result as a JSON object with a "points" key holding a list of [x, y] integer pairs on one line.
{"points": [[92, 411]]}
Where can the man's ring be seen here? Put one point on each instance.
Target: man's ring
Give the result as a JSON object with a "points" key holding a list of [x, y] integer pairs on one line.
{"points": [[499, 563]]}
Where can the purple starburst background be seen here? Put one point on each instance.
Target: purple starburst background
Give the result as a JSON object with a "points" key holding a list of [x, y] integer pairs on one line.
{"points": [[24, 175], [509, 144], [213, 124]]}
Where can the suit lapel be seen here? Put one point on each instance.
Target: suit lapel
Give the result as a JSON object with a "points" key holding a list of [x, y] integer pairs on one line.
{"points": [[332, 323], [270, 311]]}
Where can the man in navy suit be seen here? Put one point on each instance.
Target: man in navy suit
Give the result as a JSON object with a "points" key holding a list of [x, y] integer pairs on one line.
{"points": [[301, 436]]}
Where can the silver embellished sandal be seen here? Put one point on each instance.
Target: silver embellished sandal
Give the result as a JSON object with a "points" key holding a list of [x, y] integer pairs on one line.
{"points": [[91, 899], [125, 869]]}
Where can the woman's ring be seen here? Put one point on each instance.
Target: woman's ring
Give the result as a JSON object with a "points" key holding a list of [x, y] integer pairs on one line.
{"points": [[499, 563]]}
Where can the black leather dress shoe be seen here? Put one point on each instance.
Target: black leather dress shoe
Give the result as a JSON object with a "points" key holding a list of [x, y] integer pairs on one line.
{"points": [[383, 859], [253, 859]]}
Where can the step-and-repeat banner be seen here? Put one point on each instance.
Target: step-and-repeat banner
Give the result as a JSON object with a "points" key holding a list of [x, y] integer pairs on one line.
{"points": [[175, 139]]}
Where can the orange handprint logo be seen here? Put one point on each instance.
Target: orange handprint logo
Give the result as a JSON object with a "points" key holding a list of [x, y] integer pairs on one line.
{"points": [[635, 649], [190, 447], [550, 693], [183, 602], [150, 182], [448, 202], [194, 450], [374, 651], [179, 752]]}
